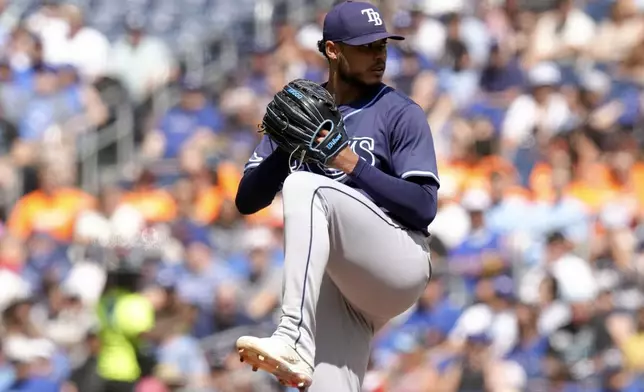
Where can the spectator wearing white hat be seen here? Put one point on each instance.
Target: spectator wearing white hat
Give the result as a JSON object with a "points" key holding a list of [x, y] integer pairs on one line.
{"points": [[28, 356]]}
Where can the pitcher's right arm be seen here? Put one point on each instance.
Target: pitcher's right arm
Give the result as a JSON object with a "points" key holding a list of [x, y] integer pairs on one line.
{"points": [[263, 176]]}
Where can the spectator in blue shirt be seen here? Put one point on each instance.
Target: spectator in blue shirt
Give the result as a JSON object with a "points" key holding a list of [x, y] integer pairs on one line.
{"points": [[196, 281], [405, 65], [71, 86], [47, 108], [260, 61], [14, 96], [197, 278], [194, 121], [502, 78], [481, 253], [531, 348], [182, 352], [506, 215], [24, 53], [435, 313], [47, 262], [618, 379], [26, 357], [228, 311], [186, 225], [459, 80]]}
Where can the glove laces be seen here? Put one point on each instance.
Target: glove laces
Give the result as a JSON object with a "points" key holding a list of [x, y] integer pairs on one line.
{"points": [[302, 153]]}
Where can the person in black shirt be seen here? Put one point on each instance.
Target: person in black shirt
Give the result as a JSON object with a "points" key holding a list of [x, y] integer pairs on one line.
{"points": [[468, 373], [575, 345]]}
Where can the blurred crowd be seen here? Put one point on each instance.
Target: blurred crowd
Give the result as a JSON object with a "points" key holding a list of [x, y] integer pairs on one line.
{"points": [[538, 269]]}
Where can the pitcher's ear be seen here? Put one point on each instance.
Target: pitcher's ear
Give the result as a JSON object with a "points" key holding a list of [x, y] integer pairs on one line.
{"points": [[332, 50]]}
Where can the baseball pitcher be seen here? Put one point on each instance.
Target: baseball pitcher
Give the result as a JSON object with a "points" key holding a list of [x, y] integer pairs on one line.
{"points": [[355, 162]]}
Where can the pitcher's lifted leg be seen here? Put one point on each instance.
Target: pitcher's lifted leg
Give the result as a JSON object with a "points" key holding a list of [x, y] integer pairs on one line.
{"points": [[372, 268]]}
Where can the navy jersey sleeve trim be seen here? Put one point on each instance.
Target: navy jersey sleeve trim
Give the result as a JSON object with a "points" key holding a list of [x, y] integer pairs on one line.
{"points": [[254, 161], [420, 173], [264, 149]]}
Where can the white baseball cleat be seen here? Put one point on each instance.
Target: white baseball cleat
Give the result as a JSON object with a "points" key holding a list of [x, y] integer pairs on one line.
{"points": [[277, 357]]}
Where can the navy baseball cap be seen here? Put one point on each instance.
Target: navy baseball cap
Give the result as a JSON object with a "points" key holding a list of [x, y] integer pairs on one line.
{"points": [[191, 84], [355, 23], [44, 68]]}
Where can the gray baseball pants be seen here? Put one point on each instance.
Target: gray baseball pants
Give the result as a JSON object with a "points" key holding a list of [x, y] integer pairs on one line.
{"points": [[348, 270]]}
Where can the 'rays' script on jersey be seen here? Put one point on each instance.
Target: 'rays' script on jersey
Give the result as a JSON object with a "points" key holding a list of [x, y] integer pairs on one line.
{"points": [[386, 129], [362, 146]]}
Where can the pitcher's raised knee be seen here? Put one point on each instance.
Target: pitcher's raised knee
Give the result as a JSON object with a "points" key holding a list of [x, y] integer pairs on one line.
{"points": [[302, 182]]}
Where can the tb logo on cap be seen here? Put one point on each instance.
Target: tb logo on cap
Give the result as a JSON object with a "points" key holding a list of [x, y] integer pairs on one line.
{"points": [[374, 16]]}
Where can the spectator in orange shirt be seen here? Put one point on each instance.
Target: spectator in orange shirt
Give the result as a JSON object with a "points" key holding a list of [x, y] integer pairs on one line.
{"points": [[156, 204], [212, 186], [556, 156], [592, 181], [50, 209], [228, 177], [625, 173], [476, 157]]}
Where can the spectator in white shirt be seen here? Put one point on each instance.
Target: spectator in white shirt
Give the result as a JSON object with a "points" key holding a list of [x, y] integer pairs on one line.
{"points": [[618, 34], [47, 22], [143, 63], [573, 275], [561, 34], [79, 45], [428, 34]]}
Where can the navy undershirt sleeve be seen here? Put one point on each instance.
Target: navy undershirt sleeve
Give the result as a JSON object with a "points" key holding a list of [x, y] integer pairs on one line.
{"points": [[259, 185], [415, 203]]}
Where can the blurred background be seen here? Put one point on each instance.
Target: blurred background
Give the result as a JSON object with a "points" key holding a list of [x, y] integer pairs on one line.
{"points": [[124, 128]]}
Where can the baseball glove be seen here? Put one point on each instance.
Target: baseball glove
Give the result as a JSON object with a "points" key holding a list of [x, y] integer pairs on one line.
{"points": [[296, 117]]}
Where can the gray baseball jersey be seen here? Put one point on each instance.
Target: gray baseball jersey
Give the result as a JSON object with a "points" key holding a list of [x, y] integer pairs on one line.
{"points": [[351, 264]]}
